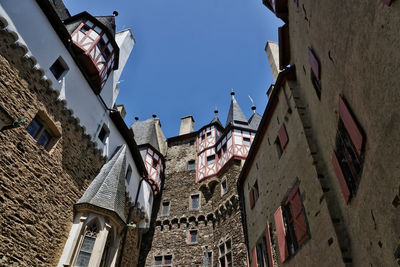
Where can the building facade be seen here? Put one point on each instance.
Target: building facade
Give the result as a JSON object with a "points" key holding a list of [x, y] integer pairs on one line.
{"points": [[196, 218], [321, 173], [74, 183]]}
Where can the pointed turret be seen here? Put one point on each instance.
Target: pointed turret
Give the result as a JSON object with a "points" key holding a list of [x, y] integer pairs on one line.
{"points": [[216, 119], [255, 119], [235, 114], [107, 190]]}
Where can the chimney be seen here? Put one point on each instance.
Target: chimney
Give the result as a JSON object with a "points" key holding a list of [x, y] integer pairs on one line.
{"points": [[272, 50], [122, 110], [187, 125]]}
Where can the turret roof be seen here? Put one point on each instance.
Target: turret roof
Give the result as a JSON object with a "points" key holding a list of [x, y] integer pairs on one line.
{"points": [[146, 133], [107, 190], [235, 114]]}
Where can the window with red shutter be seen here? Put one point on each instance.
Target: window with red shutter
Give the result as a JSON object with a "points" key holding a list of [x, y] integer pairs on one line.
{"points": [[283, 137], [298, 216], [348, 157], [254, 262], [281, 234], [291, 225], [268, 243]]}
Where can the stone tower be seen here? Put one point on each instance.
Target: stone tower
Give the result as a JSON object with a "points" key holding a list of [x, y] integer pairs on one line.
{"points": [[196, 217]]}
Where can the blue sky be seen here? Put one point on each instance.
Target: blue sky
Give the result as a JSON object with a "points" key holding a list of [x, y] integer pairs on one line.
{"points": [[189, 54]]}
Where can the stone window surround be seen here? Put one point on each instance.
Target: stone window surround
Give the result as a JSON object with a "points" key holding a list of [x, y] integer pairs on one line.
{"points": [[224, 241], [76, 236], [162, 207], [189, 237], [47, 123], [163, 255], [190, 201]]}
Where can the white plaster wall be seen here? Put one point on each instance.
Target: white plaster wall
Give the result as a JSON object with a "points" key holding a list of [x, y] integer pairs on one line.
{"points": [[144, 198]]}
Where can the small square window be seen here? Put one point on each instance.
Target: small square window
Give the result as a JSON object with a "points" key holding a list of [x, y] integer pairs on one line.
{"points": [[246, 141], [165, 208], [255, 191], [104, 132], [224, 148], [194, 202], [191, 142], [208, 134], [193, 236], [158, 260], [85, 28], [278, 147], [128, 174], [168, 259], [41, 132], [219, 153], [224, 188], [203, 137], [211, 159], [155, 163], [191, 165], [59, 68]]}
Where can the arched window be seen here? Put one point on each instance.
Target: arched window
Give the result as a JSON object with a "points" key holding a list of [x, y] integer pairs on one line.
{"points": [[87, 245]]}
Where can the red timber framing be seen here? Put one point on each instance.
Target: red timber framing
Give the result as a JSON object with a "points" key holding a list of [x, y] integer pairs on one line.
{"points": [[155, 168], [212, 157], [283, 137], [96, 49], [340, 177]]}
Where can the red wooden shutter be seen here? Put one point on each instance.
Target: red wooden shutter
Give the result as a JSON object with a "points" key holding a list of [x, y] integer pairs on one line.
{"points": [[314, 63], [283, 137], [254, 257], [281, 234], [351, 126], [340, 177], [251, 197], [269, 245], [299, 219], [387, 2]]}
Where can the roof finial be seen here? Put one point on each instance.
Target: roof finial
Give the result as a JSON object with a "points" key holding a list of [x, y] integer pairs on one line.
{"points": [[253, 107], [216, 112], [232, 93], [115, 13], [136, 118], [154, 116]]}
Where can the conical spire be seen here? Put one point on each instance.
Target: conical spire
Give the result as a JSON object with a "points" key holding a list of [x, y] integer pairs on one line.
{"points": [[216, 120], [107, 190], [235, 114]]}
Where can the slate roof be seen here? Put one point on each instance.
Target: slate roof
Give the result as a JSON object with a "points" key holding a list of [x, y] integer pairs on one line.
{"points": [[254, 121], [145, 133], [108, 22], [235, 114], [107, 190]]}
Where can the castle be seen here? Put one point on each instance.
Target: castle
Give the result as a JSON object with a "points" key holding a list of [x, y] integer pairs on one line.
{"points": [[314, 181]]}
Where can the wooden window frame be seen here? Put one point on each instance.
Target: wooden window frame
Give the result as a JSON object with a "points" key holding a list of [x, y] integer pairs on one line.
{"points": [[262, 251], [348, 156], [291, 225], [224, 256]]}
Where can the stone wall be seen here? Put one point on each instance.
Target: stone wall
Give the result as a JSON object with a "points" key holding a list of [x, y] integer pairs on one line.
{"points": [[355, 43], [38, 186], [218, 217], [276, 176]]}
